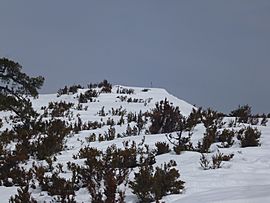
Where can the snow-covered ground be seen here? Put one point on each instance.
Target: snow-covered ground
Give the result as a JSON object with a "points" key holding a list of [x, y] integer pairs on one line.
{"points": [[245, 178]]}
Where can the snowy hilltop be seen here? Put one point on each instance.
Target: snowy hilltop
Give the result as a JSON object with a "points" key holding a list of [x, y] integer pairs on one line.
{"points": [[111, 144]]}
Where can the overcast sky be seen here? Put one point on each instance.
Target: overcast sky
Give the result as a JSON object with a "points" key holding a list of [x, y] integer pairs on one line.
{"points": [[209, 53]]}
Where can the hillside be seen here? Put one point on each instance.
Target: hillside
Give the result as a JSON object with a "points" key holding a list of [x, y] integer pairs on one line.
{"points": [[107, 119]]}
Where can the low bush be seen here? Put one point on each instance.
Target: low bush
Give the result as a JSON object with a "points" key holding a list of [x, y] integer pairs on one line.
{"points": [[105, 86], [122, 90], [249, 137], [216, 160], [212, 119], [264, 120], [145, 90], [208, 139], [226, 138], [23, 196], [51, 140], [162, 148], [88, 96], [180, 143], [204, 162], [59, 109], [10, 171], [103, 173], [165, 118], [57, 186], [67, 90], [150, 184], [242, 113]]}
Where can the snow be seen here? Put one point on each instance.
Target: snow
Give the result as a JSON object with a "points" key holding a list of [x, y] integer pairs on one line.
{"points": [[6, 192], [246, 178], [234, 194]]}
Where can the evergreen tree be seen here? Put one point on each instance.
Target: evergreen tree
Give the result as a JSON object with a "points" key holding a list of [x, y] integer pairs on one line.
{"points": [[15, 89]]}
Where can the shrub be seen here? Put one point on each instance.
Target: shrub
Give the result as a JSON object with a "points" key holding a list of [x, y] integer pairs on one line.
{"points": [[131, 131], [145, 90], [143, 183], [226, 137], [208, 139], [166, 181], [23, 196], [40, 138], [102, 173], [74, 89], [2, 150], [118, 111], [150, 184], [212, 119], [82, 98], [106, 86], [194, 118], [232, 123], [110, 122], [112, 165], [88, 96], [62, 91], [204, 162], [7, 136], [54, 185], [228, 157], [10, 171], [89, 153], [111, 134], [107, 89], [91, 138], [249, 137], [242, 113], [89, 125], [129, 155], [65, 199], [216, 160], [58, 109], [52, 141], [162, 148], [101, 138], [264, 120], [253, 120], [121, 90], [102, 112], [166, 118], [140, 122], [131, 117], [180, 143], [57, 186], [13, 175], [66, 90]]}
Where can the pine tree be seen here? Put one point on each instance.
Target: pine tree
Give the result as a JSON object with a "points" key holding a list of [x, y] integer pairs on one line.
{"points": [[15, 89]]}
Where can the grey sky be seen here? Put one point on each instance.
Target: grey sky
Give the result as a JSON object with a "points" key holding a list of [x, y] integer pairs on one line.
{"points": [[210, 53]]}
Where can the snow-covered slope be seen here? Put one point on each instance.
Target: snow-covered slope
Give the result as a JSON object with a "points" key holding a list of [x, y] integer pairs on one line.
{"points": [[246, 178]]}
